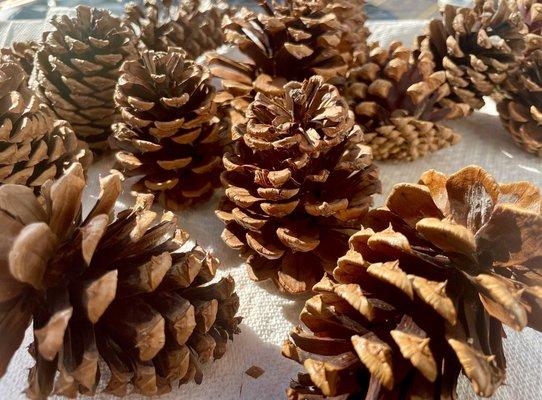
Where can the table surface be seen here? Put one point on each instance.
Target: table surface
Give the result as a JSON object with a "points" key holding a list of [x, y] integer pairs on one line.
{"points": [[268, 315]]}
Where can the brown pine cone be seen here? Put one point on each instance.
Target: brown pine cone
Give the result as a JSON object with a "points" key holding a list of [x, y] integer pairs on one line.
{"points": [[398, 100], [34, 145], [289, 41], [77, 69], [424, 291], [116, 290], [22, 53], [161, 24], [171, 134], [298, 180], [531, 14], [521, 111], [477, 47]]}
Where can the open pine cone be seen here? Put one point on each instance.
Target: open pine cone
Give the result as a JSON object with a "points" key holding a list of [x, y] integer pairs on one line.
{"points": [[521, 111], [34, 145], [161, 24], [424, 292], [77, 69], [22, 53], [97, 288], [290, 41], [298, 178], [477, 47], [398, 100], [531, 14], [171, 134]]}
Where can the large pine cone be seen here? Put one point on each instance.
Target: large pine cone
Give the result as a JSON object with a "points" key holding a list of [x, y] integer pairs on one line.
{"points": [[117, 290], [161, 24], [398, 100], [521, 111], [78, 67], [477, 47], [22, 53], [291, 41], [171, 133], [424, 292], [34, 145], [298, 179]]}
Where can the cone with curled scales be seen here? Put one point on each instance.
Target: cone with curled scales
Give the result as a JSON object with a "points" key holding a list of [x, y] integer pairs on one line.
{"points": [[77, 69], [171, 135], [424, 291], [34, 145], [521, 110], [289, 41], [531, 15], [477, 47], [161, 24], [399, 100], [298, 180], [103, 289], [22, 53]]}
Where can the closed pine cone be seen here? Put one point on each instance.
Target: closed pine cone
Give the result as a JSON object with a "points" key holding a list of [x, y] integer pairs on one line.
{"points": [[160, 24], [22, 53], [477, 47], [521, 111], [289, 41], [424, 292], [34, 145], [77, 69], [116, 290], [298, 180], [398, 101], [170, 132]]}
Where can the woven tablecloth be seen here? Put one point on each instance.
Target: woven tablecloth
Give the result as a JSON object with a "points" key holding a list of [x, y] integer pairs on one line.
{"points": [[268, 315]]}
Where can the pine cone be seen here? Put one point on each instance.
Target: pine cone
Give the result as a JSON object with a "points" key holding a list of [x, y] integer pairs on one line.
{"points": [[477, 47], [34, 145], [22, 53], [160, 25], [531, 15], [298, 180], [77, 68], [289, 42], [424, 292], [398, 99], [521, 111], [101, 289], [171, 133]]}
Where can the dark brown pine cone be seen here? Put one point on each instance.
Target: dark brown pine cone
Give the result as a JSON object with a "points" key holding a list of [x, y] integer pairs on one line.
{"points": [[77, 69], [160, 24], [398, 100], [477, 47], [170, 134], [23, 53], [289, 41], [34, 145], [297, 181], [424, 292], [98, 288], [521, 111]]}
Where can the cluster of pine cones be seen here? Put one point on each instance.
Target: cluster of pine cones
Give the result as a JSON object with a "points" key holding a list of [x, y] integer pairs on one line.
{"points": [[285, 107]]}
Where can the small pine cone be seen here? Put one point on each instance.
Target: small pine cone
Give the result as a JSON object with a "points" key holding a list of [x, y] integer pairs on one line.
{"points": [[298, 180], [477, 47], [531, 15], [77, 69], [170, 133], [424, 292], [397, 100], [160, 25], [290, 41], [116, 290], [35, 146], [521, 111], [23, 53]]}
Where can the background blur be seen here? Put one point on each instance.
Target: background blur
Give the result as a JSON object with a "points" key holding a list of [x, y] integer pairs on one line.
{"points": [[376, 9]]}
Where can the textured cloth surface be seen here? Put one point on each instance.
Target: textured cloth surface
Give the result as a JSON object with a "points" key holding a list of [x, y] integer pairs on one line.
{"points": [[268, 316]]}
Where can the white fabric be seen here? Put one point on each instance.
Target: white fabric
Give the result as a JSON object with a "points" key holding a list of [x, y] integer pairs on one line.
{"points": [[268, 315]]}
